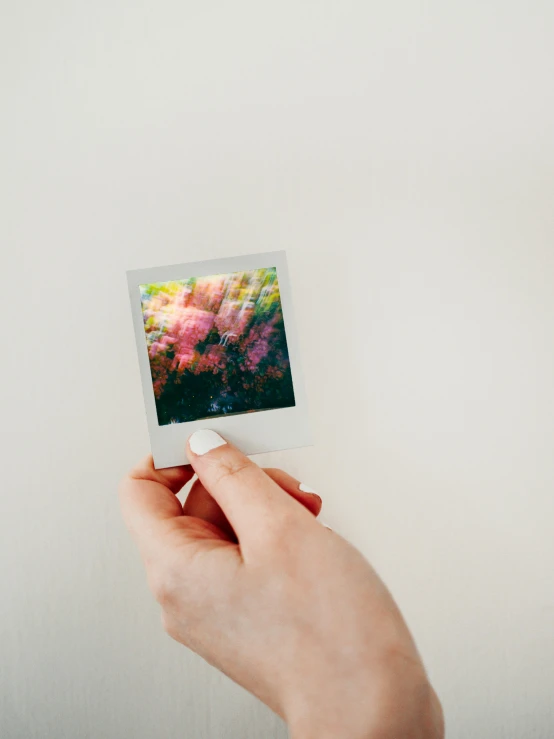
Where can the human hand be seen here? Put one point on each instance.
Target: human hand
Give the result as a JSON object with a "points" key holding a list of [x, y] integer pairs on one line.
{"points": [[251, 581]]}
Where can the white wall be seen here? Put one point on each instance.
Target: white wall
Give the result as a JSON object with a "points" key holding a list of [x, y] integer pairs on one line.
{"points": [[403, 154]]}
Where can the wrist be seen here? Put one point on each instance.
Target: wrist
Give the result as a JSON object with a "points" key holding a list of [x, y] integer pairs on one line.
{"points": [[414, 712]]}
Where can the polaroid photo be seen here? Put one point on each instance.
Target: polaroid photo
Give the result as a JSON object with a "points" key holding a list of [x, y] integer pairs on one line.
{"points": [[218, 349]]}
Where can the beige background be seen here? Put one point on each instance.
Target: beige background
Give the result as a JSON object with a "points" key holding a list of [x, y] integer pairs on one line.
{"points": [[403, 155]]}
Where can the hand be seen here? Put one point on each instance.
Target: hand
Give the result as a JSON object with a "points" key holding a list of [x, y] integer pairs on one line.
{"points": [[250, 580]]}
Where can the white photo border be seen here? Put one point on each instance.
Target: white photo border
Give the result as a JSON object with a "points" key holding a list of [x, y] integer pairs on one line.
{"points": [[254, 433]]}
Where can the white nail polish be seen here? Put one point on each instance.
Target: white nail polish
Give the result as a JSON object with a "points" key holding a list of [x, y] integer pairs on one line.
{"points": [[306, 488], [204, 441]]}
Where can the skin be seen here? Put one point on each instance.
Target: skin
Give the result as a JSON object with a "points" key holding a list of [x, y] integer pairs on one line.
{"points": [[249, 579]]}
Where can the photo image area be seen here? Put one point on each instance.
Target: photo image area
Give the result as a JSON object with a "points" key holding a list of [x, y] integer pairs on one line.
{"points": [[216, 345]]}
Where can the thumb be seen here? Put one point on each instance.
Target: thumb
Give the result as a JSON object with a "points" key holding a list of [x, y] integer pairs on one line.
{"points": [[257, 508]]}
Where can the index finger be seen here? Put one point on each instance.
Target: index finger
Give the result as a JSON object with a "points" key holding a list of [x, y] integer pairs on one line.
{"points": [[254, 504]]}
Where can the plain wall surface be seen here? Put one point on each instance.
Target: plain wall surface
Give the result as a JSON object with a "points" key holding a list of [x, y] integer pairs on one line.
{"points": [[403, 154]]}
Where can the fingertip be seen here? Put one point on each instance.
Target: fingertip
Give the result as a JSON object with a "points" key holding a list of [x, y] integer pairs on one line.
{"points": [[173, 478], [318, 505], [303, 494], [203, 441], [316, 501]]}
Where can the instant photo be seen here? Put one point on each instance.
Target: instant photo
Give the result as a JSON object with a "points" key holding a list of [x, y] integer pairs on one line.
{"points": [[217, 349]]}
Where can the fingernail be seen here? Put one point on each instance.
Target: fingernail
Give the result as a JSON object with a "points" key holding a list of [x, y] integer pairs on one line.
{"points": [[306, 489], [324, 524], [204, 441]]}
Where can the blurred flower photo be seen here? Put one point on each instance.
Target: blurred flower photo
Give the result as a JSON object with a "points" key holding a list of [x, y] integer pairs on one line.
{"points": [[217, 345]]}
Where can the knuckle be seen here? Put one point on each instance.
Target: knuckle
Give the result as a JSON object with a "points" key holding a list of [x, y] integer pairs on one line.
{"points": [[230, 469], [168, 625], [163, 587]]}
